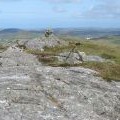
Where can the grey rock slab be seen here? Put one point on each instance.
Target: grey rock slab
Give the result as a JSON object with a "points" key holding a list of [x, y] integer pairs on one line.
{"points": [[32, 91], [95, 58], [15, 56], [56, 93]]}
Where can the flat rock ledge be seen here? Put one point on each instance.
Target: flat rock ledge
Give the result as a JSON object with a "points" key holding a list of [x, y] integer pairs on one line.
{"points": [[37, 92], [15, 56]]}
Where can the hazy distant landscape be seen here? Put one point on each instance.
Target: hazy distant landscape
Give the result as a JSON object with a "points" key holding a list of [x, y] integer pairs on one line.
{"points": [[110, 35]]}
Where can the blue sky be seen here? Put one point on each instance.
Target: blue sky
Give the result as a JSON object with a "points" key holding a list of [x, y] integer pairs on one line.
{"points": [[37, 14]]}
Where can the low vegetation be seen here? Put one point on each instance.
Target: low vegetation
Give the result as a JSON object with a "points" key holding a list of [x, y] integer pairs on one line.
{"points": [[108, 70], [2, 48]]}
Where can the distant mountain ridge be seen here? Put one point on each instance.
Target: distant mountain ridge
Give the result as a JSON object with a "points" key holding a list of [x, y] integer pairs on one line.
{"points": [[88, 32], [11, 30], [94, 33]]}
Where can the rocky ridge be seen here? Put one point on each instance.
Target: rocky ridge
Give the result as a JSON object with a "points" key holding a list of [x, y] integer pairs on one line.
{"points": [[32, 91], [40, 43]]}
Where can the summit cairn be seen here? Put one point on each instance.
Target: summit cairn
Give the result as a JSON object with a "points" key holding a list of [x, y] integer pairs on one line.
{"points": [[48, 33]]}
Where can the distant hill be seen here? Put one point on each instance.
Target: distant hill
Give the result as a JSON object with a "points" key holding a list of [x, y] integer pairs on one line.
{"points": [[94, 33], [10, 30], [13, 34]]}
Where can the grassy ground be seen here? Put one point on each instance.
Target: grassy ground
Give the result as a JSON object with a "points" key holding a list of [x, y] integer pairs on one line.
{"points": [[112, 39], [2, 48], [108, 70]]}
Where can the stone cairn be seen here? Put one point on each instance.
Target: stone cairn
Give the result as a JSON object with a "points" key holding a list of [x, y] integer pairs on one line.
{"points": [[48, 33]]}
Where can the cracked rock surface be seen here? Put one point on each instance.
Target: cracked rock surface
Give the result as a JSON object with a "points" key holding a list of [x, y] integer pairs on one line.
{"points": [[31, 91]]}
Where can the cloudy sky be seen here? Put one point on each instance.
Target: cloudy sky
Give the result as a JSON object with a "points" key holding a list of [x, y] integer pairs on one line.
{"points": [[59, 13]]}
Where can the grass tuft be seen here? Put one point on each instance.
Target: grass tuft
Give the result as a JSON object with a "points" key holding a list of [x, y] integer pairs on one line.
{"points": [[2, 48], [109, 71]]}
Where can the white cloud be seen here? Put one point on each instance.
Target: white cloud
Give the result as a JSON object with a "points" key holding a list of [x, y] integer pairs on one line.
{"points": [[106, 9], [62, 1]]}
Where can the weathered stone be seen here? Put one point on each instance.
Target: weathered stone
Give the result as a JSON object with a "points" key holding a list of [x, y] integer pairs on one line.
{"points": [[95, 58], [31, 91], [15, 56]]}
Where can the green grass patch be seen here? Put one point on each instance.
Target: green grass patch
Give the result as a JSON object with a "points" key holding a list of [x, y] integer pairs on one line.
{"points": [[108, 71], [47, 59], [2, 48]]}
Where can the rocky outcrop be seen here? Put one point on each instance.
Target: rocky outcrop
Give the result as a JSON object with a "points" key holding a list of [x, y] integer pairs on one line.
{"points": [[15, 56], [32, 91], [78, 57], [40, 43]]}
